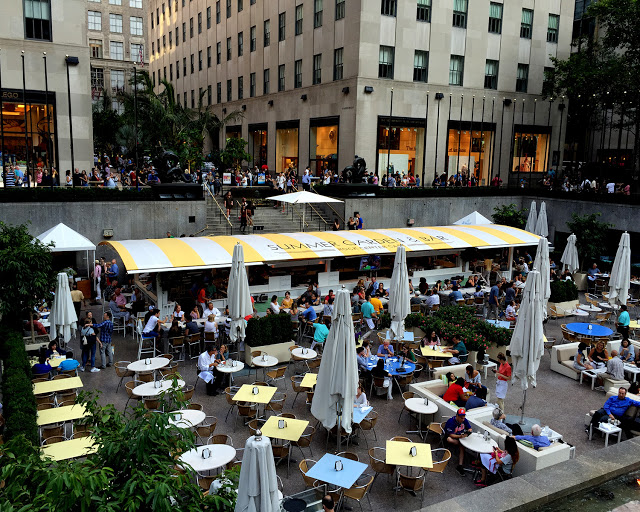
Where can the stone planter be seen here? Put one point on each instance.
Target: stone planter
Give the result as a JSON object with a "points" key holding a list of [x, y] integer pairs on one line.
{"points": [[580, 278], [279, 350], [562, 308], [493, 351]]}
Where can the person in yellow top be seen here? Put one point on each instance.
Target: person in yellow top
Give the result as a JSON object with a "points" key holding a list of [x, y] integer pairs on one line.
{"points": [[77, 297], [287, 302], [377, 304]]}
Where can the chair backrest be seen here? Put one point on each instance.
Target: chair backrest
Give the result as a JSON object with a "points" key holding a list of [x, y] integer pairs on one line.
{"points": [[304, 466], [53, 440], [177, 341], [66, 403], [296, 380], [401, 439], [256, 353], [440, 458], [61, 376], [221, 439], [195, 407], [378, 382], [349, 455], [407, 394], [121, 369], [52, 430], [210, 336], [411, 483], [44, 405], [370, 421], [415, 308], [358, 490], [377, 458]]}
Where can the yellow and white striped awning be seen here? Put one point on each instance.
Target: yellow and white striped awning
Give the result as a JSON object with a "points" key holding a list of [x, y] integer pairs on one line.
{"points": [[162, 255]]}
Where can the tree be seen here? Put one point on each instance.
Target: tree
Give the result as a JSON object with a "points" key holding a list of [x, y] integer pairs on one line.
{"points": [[590, 234], [25, 273], [509, 215], [106, 123], [234, 153]]}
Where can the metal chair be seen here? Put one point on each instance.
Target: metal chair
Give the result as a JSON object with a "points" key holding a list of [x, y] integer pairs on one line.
{"points": [[409, 483], [349, 455], [440, 458], [276, 404], [369, 423], [276, 375], [304, 466], [359, 490], [281, 450], [193, 341], [377, 461], [246, 410], [406, 396], [44, 406], [221, 439], [296, 380], [122, 371], [128, 386], [176, 345], [205, 429], [305, 440]]}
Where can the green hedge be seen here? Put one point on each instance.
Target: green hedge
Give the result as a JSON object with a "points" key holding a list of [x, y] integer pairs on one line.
{"points": [[269, 330], [563, 291], [19, 403]]}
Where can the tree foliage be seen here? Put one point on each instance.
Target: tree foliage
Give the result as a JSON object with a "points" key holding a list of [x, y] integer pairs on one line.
{"points": [[509, 215], [106, 123], [591, 235], [233, 153]]}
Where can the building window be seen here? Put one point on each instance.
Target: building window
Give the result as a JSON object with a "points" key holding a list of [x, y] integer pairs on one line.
{"points": [[522, 81], [115, 2], [240, 44], [218, 14], [170, 39], [95, 21], [389, 7], [199, 23], [193, 98], [317, 13], [184, 32], [526, 24], [116, 50], [177, 69], [338, 68], [137, 53], [158, 22], [97, 78], [190, 28], [228, 8], [252, 39], [281, 78], [199, 60], [208, 56], [115, 23], [135, 25], [552, 29], [228, 48], [164, 73], [153, 47], [491, 74], [456, 70], [299, 12], [385, 63], [495, 18], [184, 96], [282, 20], [219, 92], [240, 87], [208, 17], [151, 20], [547, 83], [265, 81], [37, 19], [158, 45], [424, 11], [340, 8], [184, 67], [229, 90], [117, 80], [297, 74], [177, 37], [267, 33], [252, 85], [192, 62], [421, 66], [164, 41], [171, 72], [95, 47], [240, 5], [135, 3], [209, 96], [460, 13], [218, 52]]}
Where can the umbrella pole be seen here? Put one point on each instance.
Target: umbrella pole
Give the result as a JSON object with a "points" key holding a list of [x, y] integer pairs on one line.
{"points": [[524, 400]]}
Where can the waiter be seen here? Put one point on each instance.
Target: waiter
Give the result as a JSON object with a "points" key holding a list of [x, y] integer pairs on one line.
{"points": [[503, 375]]}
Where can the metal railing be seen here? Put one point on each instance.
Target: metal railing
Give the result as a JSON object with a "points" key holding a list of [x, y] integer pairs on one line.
{"points": [[335, 212], [319, 215], [221, 211]]}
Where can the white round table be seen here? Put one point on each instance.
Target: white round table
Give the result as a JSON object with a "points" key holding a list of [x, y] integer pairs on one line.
{"points": [[590, 308], [309, 354], [476, 443], [221, 454], [228, 368], [149, 389], [418, 406], [606, 305], [141, 366], [267, 363], [578, 312], [189, 418]]}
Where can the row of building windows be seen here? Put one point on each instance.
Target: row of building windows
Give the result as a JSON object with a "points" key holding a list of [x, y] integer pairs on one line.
{"points": [[116, 50], [115, 23], [132, 3]]}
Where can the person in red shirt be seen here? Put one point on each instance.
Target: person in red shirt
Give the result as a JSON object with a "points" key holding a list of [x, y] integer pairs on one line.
{"points": [[503, 375], [37, 326], [455, 393]]}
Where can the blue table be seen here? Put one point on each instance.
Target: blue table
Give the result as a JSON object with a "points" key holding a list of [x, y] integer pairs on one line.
{"points": [[360, 413], [324, 470], [500, 323], [583, 328], [393, 366]]}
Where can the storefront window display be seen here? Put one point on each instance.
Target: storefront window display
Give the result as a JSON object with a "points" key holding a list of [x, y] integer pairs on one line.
{"points": [[287, 145], [323, 145], [258, 137], [469, 151], [404, 148], [530, 149]]}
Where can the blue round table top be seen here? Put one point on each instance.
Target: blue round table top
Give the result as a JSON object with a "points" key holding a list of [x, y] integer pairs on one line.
{"points": [[393, 365], [583, 328]]}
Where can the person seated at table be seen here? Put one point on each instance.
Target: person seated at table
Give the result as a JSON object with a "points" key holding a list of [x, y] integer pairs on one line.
{"points": [[287, 302], [423, 286], [178, 314], [306, 296], [477, 398], [432, 299], [599, 355], [471, 282], [449, 378], [210, 325], [191, 327], [627, 352], [497, 420], [38, 327], [361, 359], [456, 295], [592, 273], [355, 303], [385, 349], [510, 312], [415, 300], [293, 312], [406, 353], [211, 310], [380, 373], [380, 291], [478, 294], [411, 288], [360, 399], [536, 439], [320, 332], [121, 300], [377, 304], [615, 371], [366, 345], [459, 351], [152, 328], [328, 307], [195, 313], [207, 364], [174, 331], [430, 339], [308, 316], [117, 311], [273, 305], [137, 301], [455, 393], [69, 363], [472, 378], [504, 459], [456, 428], [615, 408], [53, 350], [580, 360], [42, 366]]}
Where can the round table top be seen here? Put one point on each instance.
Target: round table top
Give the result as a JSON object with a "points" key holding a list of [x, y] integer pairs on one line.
{"points": [[189, 418], [221, 454], [590, 307], [606, 305], [141, 366], [579, 312], [269, 361], [227, 368], [298, 352], [583, 328], [149, 389], [418, 405], [476, 443]]}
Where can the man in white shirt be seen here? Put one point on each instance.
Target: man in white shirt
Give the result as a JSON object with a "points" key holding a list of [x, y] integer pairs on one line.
{"points": [[611, 187], [432, 299], [210, 311], [207, 363]]}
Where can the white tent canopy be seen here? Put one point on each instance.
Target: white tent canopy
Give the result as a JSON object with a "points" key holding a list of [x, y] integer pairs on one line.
{"points": [[472, 219], [66, 239]]}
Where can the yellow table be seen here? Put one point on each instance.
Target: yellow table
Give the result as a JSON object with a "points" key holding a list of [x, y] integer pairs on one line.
{"points": [[54, 362], [264, 396], [634, 325], [429, 352], [292, 432], [61, 414], [398, 454], [310, 380], [70, 449], [53, 386]]}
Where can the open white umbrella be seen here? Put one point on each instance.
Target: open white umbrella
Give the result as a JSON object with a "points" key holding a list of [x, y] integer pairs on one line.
{"points": [[238, 295], [338, 374], [527, 342], [304, 197], [399, 306], [542, 228], [63, 318], [570, 255], [542, 265], [531, 219], [619, 279], [258, 485]]}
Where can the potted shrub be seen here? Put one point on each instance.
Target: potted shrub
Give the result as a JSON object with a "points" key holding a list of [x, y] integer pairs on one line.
{"points": [[564, 297], [271, 334]]}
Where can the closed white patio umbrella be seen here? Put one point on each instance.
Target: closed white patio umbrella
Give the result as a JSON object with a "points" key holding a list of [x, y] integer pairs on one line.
{"points": [[338, 375], [569, 257], [542, 228], [527, 342], [399, 306], [620, 277], [62, 319], [531, 219], [542, 265], [258, 485], [238, 295]]}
